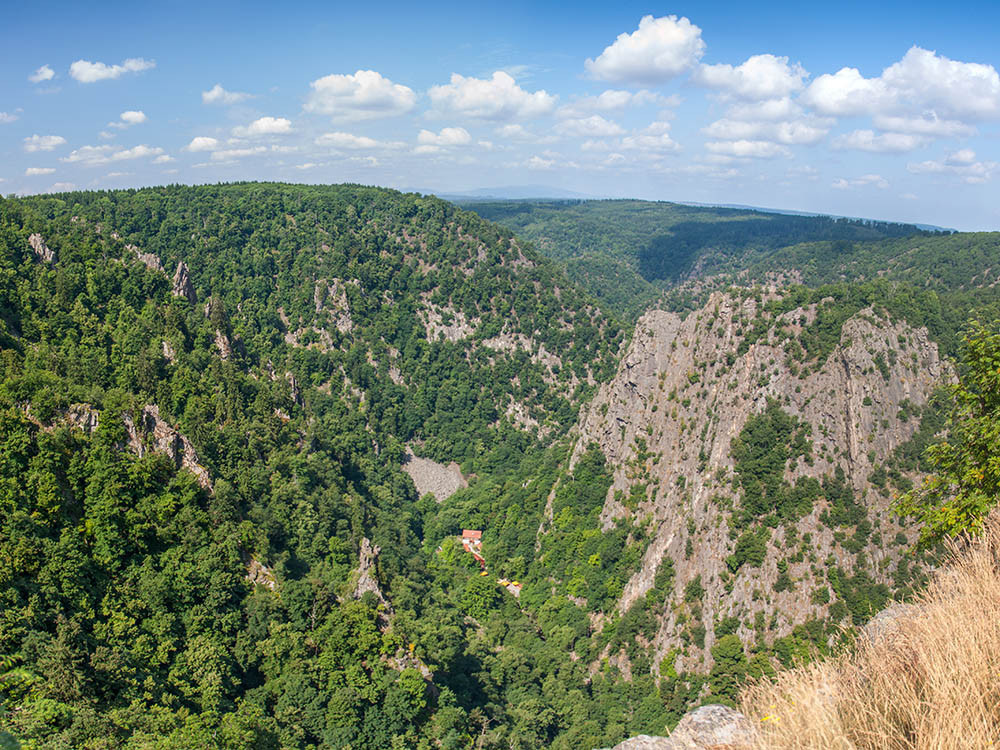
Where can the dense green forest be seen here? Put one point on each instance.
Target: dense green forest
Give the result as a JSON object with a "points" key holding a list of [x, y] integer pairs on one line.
{"points": [[128, 617], [189, 471], [629, 253]]}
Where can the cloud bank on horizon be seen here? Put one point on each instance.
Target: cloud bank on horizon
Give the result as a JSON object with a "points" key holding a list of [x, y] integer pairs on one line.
{"points": [[654, 113]]}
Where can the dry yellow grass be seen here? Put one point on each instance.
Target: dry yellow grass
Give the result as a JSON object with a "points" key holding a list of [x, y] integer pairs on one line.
{"points": [[932, 684]]}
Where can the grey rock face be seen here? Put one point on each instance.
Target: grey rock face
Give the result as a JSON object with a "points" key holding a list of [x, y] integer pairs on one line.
{"points": [[150, 260], [684, 390], [43, 251], [710, 727], [885, 624], [434, 478], [84, 417], [223, 346], [152, 429], [366, 572], [182, 284]]}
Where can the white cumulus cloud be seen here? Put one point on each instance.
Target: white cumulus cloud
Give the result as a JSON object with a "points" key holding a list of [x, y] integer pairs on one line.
{"points": [[126, 119], [346, 140], [782, 108], [95, 155], [538, 163], [264, 126], [218, 95], [962, 164], [44, 73], [495, 98], [594, 126], [6, 117], [364, 95], [447, 137], [202, 143], [614, 100], [231, 154], [650, 142], [846, 93], [354, 142], [653, 140], [43, 142], [802, 131], [874, 180], [868, 140], [961, 157], [747, 149], [927, 123], [85, 71], [133, 117], [760, 77], [36, 171], [660, 49], [921, 82], [517, 132]]}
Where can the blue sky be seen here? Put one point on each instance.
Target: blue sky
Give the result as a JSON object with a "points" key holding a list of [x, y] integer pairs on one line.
{"points": [[888, 110]]}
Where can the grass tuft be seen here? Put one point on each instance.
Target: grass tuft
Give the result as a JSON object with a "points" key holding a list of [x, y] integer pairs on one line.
{"points": [[931, 683]]}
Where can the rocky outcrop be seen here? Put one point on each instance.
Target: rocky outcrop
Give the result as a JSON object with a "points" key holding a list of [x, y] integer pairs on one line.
{"points": [[260, 575], [666, 423], [223, 346], [433, 478], [168, 352], [41, 250], [78, 416], [709, 727], [367, 575], [886, 623], [83, 417], [150, 260], [331, 297], [149, 432], [446, 323], [182, 284]]}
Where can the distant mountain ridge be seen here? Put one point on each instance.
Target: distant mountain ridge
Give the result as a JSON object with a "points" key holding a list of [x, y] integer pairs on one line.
{"points": [[635, 254], [510, 192], [792, 212]]}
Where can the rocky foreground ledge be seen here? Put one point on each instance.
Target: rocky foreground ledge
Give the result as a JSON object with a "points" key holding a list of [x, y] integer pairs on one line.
{"points": [[710, 727]]}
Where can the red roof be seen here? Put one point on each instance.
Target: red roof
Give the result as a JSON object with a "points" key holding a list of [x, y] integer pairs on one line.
{"points": [[471, 534]]}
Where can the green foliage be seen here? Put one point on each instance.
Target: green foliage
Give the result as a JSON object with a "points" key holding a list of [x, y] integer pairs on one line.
{"points": [[965, 485], [693, 590], [729, 670], [751, 549], [764, 447], [585, 561], [127, 613], [480, 596]]}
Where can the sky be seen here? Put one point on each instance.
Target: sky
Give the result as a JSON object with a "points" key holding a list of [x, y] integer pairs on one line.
{"points": [[884, 110]]}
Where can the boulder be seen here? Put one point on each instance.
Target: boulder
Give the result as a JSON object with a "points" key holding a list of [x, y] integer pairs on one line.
{"points": [[711, 727], [885, 624]]}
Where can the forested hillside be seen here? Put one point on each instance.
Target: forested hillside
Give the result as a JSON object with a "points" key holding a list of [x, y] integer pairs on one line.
{"points": [[628, 253], [192, 460], [211, 398]]}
